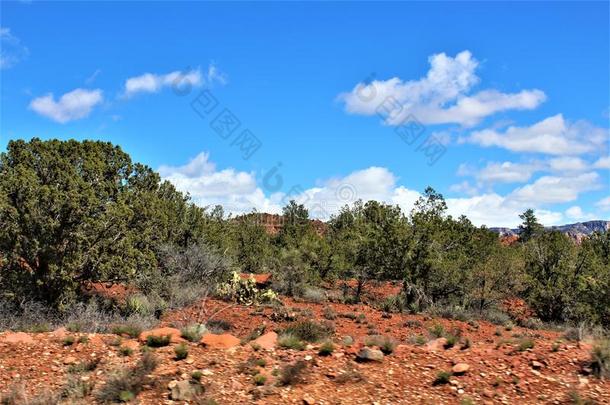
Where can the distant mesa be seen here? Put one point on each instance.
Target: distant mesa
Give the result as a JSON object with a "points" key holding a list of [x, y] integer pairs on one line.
{"points": [[575, 231]]}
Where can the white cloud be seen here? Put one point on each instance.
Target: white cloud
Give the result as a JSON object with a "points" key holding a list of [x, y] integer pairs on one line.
{"points": [[553, 189], [576, 213], [464, 188], [12, 51], [506, 172], [153, 83], [602, 163], [71, 106], [240, 192], [568, 164], [604, 204], [441, 97], [553, 136]]}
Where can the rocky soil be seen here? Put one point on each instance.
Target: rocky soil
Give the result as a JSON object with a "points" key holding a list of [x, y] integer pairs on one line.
{"points": [[487, 364]]}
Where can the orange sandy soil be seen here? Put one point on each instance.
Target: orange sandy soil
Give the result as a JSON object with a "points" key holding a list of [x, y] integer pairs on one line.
{"points": [[497, 374]]}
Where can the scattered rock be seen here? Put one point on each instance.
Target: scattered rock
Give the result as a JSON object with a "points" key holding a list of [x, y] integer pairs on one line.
{"points": [[224, 341], [267, 341], [184, 390], [173, 333], [308, 400], [368, 354], [537, 365], [70, 360], [436, 344], [460, 368], [18, 337]]}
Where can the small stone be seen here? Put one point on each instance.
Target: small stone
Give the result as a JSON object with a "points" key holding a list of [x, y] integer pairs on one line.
{"points": [[70, 360], [537, 365], [308, 358], [460, 391], [308, 400], [460, 368], [368, 354], [184, 391]]}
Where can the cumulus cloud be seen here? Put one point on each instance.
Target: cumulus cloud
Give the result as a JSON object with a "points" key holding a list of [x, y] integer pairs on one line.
{"points": [[552, 136], [576, 213], [604, 204], [154, 83], [240, 192], [602, 163], [554, 189], [441, 97], [12, 51], [71, 106], [506, 172]]}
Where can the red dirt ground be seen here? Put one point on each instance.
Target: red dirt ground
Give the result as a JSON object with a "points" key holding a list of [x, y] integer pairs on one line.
{"points": [[549, 372]]}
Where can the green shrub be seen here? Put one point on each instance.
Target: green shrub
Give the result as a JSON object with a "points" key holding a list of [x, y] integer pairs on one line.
{"points": [[292, 373], [525, 344], [386, 344], [418, 340], [326, 349], [196, 375], [130, 330], [193, 332], [125, 384], [158, 341], [68, 341], [289, 341], [260, 362], [309, 330], [259, 379], [181, 351], [442, 378], [314, 295], [329, 313], [600, 358], [125, 351], [218, 326], [437, 330], [451, 340], [83, 339]]}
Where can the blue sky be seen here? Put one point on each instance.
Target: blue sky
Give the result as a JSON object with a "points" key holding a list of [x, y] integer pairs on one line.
{"points": [[498, 106]]}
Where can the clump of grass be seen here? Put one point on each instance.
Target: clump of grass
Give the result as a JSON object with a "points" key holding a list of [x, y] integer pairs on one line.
{"points": [[290, 341], [498, 332], [125, 384], [84, 367], [83, 339], [130, 330], [196, 375], [417, 340], [193, 332], [329, 313], [442, 378], [349, 315], [39, 328], [361, 318], [74, 388], [451, 341], [525, 344], [555, 347], [256, 347], [259, 379], [326, 349], [413, 324], [218, 326], [600, 358], [158, 341], [386, 344], [260, 362], [466, 344], [309, 330], [125, 351], [291, 373], [437, 330], [181, 351], [509, 326], [68, 341]]}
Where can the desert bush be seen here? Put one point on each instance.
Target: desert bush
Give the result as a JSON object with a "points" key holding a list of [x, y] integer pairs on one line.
{"points": [[259, 379], [85, 366], [290, 374], [289, 341], [600, 358], [442, 377], [385, 343], [16, 395], [326, 349], [437, 330], [417, 340], [218, 326], [329, 313], [76, 388], [158, 341], [309, 330], [181, 351], [68, 341], [413, 324], [131, 330], [125, 384], [395, 303], [193, 332], [525, 344], [313, 295], [125, 351]]}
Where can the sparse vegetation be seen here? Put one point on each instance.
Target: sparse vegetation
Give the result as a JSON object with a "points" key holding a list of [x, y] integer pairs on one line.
{"points": [[525, 344], [290, 341], [125, 384], [309, 330], [158, 340], [181, 351], [326, 349], [600, 358], [442, 377], [291, 374], [193, 332], [259, 379]]}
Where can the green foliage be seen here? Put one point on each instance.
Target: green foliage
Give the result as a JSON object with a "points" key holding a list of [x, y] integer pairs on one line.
{"points": [[600, 358], [181, 351], [525, 344], [125, 384], [259, 379], [289, 341], [309, 330], [442, 378], [158, 341], [326, 349], [530, 226], [244, 291], [385, 343], [292, 373], [193, 332], [130, 330]]}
